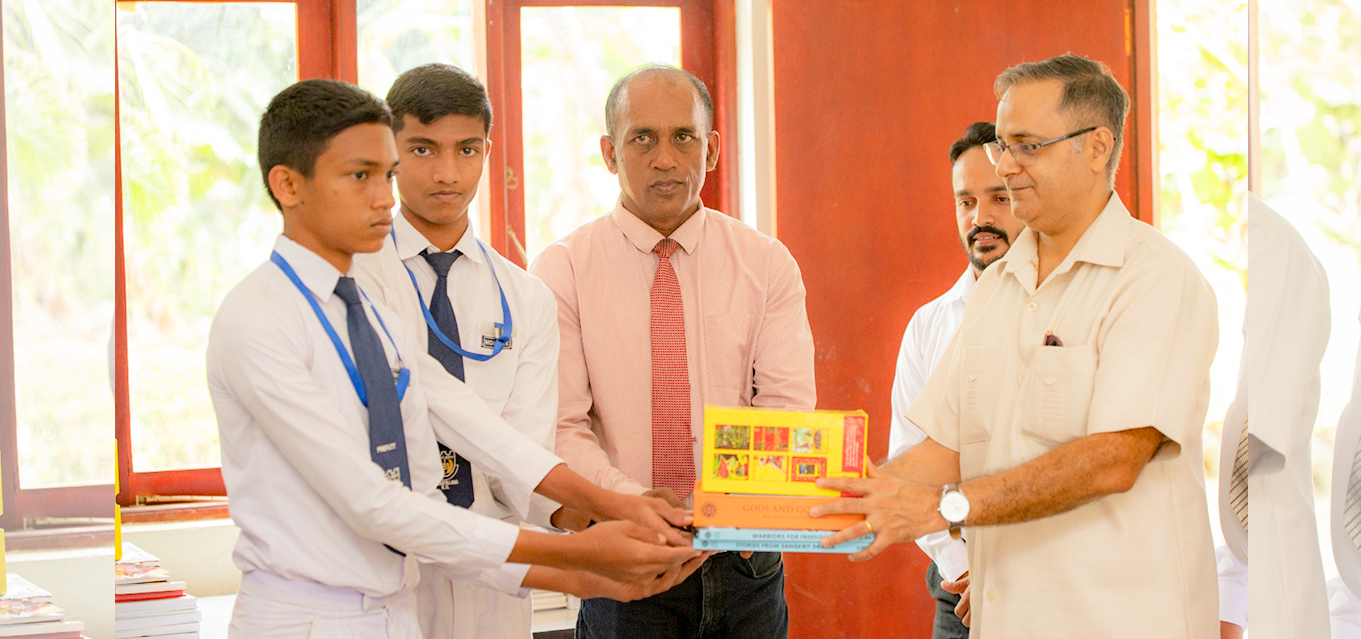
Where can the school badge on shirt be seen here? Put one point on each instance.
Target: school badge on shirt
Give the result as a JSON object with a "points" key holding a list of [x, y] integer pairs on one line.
{"points": [[449, 460]]}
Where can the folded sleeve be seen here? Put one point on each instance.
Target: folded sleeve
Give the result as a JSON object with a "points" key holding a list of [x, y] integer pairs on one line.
{"points": [[1154, 353]]}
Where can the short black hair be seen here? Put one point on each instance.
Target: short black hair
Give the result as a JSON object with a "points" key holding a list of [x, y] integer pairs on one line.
{"points": [[432, 91], [618, 94], [301, 121], [978, 134]]}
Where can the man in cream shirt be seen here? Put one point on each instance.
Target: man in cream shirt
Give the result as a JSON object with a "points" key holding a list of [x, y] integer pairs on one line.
{"points": [[1064, 423], [986, 229]]}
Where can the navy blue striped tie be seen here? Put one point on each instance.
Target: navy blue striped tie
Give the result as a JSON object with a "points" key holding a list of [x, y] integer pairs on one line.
{"points": [[457, 483], [387, 440]]}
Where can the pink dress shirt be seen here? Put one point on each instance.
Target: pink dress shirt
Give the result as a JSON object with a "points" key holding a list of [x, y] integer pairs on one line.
{"points": [[747, 337]]}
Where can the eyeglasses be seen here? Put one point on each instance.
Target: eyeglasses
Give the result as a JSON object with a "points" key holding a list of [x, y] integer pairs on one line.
{"points": [[1024, 152]]}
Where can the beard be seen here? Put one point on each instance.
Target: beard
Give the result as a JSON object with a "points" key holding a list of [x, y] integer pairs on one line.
{"points": [[981, 260]]}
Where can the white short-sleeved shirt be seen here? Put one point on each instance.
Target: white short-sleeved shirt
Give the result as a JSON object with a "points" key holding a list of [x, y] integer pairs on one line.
{"points": [[1138, 328], [310, 502], [927, 336]]}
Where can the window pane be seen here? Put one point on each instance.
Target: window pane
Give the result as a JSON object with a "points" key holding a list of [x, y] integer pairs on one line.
{"points": [[1310, 105], [195, 78], [396, 35], [1203, 158], [571, 57], [58, 65]]}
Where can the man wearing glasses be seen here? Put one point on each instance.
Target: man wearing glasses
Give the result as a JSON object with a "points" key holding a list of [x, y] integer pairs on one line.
{"points": [[1064, 423]]}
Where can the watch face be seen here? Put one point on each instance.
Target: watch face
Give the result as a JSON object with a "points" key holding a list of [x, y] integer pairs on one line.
{"points": [[954, 507]]}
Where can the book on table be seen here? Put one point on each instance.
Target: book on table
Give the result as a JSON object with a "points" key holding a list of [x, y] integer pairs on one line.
{"points": [[27, 610], [46, 630]]}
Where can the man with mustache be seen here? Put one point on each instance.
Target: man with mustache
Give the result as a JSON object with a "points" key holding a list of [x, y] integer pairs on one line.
{"points": [[664, 306], [1064, 423], [986, 229]]}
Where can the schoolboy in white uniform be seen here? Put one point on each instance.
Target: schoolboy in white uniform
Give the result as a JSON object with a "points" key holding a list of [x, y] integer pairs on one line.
{"points": [[328, 442], [502, 320]]}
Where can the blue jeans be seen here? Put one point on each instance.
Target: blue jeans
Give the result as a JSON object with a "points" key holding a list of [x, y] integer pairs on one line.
{"points": [[947, 625], [728, 597]]}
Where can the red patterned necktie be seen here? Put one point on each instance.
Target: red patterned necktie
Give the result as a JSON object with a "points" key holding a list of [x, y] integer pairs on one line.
{"points": [[673, 464]]}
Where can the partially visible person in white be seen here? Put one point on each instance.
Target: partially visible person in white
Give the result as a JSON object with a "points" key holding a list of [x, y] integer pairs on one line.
{"points": [[1344, 610], [1285, 335], [1233, 593], [1344, 602], [986, 229]]}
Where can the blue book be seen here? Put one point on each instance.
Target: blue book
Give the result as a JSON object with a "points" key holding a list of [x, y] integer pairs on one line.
{"points": [[774, 540]]}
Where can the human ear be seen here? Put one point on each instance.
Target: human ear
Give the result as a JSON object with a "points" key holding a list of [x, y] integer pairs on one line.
{"points": [[712, 147], [607, 152], [1100, 146], [285, 184]]}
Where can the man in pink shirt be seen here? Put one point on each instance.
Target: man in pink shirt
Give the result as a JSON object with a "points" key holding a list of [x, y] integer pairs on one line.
{"points": [[665, 306]]}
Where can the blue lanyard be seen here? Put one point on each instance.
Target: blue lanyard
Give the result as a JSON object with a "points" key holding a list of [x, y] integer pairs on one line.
{"points": [[506, 329], [403, 377]]}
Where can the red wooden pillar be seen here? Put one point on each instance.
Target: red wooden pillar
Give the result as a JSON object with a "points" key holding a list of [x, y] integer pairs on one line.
{"points": [[868, 98]]}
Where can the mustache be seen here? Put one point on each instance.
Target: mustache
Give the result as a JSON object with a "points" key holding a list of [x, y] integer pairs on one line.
{"points": [[987, 229]]}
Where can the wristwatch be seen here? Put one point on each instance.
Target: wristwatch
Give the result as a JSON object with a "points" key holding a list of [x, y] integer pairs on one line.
{"points": [[954, 507]]}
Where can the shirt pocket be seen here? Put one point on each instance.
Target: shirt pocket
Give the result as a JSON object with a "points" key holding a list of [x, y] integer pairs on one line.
{"points": [[1059, 396], [980, 377], [727, 357]]}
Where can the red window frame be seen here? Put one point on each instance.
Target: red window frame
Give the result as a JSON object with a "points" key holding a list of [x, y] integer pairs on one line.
{"points": [[328, 48]]}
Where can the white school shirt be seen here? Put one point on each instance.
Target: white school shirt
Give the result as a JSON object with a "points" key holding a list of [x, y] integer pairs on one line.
{"points": [[927, 336], [520, 384], [1286, 329], [1138, 330], [309, 500]]}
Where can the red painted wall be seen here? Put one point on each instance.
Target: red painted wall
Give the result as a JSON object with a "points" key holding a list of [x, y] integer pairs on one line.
{"points": [[868, 97]]}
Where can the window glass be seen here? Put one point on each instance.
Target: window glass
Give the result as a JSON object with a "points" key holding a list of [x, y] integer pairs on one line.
{"points": [[570, 57], [195, 78], [59, 130]]}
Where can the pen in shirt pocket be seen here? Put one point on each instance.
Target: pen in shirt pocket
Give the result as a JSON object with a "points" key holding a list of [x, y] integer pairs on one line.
{"points": [[1050, 339]]}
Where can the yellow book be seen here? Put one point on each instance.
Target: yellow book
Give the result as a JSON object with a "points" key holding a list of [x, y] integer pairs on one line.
{"points": [[761, 451]]}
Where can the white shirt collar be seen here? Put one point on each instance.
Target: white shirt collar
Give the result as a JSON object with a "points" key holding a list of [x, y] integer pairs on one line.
{"points": [[963, 287], [318, 275], [411, 243]]}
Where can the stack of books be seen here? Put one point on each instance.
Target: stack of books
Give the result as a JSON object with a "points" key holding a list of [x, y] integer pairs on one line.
{"points": [[27, 611], [148, 602], [758, 478]]}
